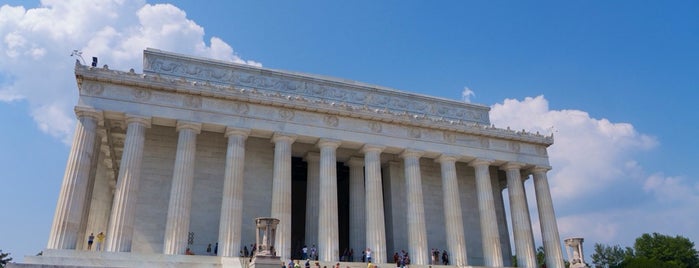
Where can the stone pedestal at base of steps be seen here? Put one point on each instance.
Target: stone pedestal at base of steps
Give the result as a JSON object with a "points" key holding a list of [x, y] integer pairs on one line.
{"points": [[265, 262]]}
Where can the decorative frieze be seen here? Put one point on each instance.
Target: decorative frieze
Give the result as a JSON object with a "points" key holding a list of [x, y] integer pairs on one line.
{"points": [[331, 120], [375, 126], [310, 87], [208, 95], [312, 118], [286, 114]]}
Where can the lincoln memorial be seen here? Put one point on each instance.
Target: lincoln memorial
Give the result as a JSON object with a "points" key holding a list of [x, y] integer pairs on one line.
{"points": [[186, 155]]}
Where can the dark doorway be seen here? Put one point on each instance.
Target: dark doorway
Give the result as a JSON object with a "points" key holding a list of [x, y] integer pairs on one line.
{"points": [[299, 172], [298, 205]]}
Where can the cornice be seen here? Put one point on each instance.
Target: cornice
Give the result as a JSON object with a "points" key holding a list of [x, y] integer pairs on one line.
{"points": [[289, 100]]}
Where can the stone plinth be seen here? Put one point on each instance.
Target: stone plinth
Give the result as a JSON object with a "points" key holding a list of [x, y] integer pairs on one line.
{"points": [[577, 259], [265, 262], [265, 255]]}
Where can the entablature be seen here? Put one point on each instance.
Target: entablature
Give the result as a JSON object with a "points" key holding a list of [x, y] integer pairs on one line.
{"points": [[145, 84]]}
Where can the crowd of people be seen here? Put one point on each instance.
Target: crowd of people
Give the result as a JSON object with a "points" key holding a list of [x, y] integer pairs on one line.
{"points": [[401, 259]]}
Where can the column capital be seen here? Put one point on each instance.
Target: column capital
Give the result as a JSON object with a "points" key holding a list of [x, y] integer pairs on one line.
{"points": [[540, 169], [144, 120], [230, 131], [445, 158], [372, 148], [329, 143], [411, 153], [355, 162], [81, 111], [480, 162], [312, 156], [279, 136], [182, 124], [512, 165]]}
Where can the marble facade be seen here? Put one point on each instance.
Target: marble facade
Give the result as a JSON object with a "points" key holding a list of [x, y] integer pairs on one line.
{"points": [[192, 150]]}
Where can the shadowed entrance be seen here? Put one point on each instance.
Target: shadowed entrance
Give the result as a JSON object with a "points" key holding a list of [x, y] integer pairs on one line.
{"points": [[299, 172]]}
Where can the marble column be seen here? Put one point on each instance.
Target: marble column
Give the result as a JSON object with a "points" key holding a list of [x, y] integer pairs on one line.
{"points": [[230, 224], [84, 219], [547, 219], [179, 208], [452, 211], [281, 193], [312, 196], [71, 199], [328, 234], [120, 231], [521, 223], [417, 232], [490, 237], [357, 200], [375, 223]]}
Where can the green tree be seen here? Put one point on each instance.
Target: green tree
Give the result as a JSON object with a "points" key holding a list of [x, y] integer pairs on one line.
{"points": [[643, 262], [540, 257], [610, 256], [4, 259], [673, 251]]}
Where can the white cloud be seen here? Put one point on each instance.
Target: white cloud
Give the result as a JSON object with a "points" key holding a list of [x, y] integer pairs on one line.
{"points": [[36, 43], [672, 190], [600, 191], [467, 94], [588, 154]]}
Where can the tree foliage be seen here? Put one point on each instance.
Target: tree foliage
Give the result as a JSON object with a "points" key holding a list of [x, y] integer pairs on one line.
{"points": [[540, 256], [676, 250], [610, 256], [650, 250], [4, 259], [643, 262]]}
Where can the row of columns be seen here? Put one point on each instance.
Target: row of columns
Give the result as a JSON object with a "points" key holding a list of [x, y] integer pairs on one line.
{"points": [[322, 174]]}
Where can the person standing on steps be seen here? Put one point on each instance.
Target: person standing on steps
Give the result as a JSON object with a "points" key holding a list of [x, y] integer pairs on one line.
{"points": [[100, 240], [90, 240]]}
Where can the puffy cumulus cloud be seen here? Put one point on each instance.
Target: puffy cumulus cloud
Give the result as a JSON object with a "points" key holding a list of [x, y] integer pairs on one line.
{"points": [[601, 192], [588, 154], [35, 45]]}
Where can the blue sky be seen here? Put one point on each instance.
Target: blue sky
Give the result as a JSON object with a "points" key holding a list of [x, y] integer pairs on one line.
{"points": [[615, 81]]}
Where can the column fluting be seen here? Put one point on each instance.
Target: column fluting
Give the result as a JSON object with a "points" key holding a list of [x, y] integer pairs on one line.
{"points": [[120, 230], [328, 235], [71, 200], [547, 219], [521, 222], [230, 224], [357, 222], [452, 211], [492, 250], [312, 197], [417, 232], [85, 218], [179, 207], [281, 193], [375, 221]]}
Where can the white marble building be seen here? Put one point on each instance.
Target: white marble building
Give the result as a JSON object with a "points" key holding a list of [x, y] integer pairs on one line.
{"points": [[191, 151]]}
